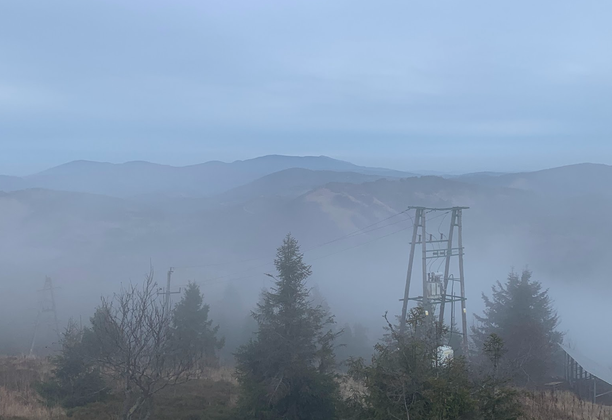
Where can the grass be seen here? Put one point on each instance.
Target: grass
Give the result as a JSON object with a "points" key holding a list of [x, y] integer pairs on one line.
{"points": [[18, 400], [200, 399], [24, 405], [213, 394], [562, 406], [18, 373], [210, 396]]}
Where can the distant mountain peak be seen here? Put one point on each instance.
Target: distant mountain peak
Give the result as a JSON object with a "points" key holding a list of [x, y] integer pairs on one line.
{"points": [[82, 162], [73, 165], [293, 157]]}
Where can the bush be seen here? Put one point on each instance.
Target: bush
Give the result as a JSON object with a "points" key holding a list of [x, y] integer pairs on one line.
{"points": [[404, 380]]}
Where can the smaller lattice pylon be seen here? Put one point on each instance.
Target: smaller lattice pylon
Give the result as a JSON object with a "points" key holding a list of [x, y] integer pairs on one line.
{"points": [[47, 324]]}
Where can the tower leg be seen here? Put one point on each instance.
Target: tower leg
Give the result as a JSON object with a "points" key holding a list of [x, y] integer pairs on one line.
{"points": [[417, 218], [424, 248], [462, 280], [449, 249], [35, 334]]}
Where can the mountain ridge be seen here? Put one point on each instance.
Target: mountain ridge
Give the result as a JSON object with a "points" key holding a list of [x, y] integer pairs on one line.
{"points": [[576, 180], [208, 178], [215, 178], [293, 182]]}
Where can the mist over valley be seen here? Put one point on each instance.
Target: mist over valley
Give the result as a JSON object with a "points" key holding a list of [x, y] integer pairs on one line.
{"points": [[93, 226]]}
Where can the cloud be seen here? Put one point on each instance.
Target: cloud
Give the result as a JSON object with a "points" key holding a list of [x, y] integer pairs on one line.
{"points": [[27, 98], [116, 77]]}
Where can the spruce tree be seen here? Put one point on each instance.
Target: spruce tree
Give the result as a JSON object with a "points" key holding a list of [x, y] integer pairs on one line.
{"points": [[286, 371], [193, 334], [76, 380], [520, 312], [496, 400]]}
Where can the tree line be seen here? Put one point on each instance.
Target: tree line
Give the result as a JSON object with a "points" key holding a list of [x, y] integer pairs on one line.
{"points": [[137, 346]]}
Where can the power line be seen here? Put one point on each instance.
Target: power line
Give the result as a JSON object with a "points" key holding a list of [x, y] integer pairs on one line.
{"points": [[441, 235], [360, 231], [364, 243], [442, 221], [436, 245], [348, 235], [224, 278]]}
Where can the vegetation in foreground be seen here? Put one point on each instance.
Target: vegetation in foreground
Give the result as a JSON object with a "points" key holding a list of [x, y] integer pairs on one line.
{"points": [[139, 360], [211, 397], [214, 398]]}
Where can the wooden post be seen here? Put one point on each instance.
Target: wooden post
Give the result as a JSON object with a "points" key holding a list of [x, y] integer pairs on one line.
{"points": [[168, 282]]}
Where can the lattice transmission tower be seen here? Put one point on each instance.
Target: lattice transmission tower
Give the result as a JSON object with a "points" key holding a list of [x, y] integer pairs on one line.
{"points": [[46, 330], [439, 288]]}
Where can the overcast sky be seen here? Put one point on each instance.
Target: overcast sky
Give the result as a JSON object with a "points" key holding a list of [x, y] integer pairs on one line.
{"points": [[409, 84]]}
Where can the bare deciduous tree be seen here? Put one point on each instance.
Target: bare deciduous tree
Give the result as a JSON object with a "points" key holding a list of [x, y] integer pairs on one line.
{"points": [[133, 343]]}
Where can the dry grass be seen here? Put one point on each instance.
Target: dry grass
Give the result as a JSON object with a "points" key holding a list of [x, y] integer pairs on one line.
{"points": [[350, 388], [18, 400], [213, 394], [18, 373], [210, 395], [25, 405], [562, 406], [223, 373]]}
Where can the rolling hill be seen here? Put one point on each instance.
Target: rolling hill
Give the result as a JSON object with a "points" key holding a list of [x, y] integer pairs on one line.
{"points": [[291, 183], [571, 180], [138, 178]]}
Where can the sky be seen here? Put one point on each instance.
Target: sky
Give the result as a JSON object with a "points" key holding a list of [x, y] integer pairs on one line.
{"points": [[450, 86]]}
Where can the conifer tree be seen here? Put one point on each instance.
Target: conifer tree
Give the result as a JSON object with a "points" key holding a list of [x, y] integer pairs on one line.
{"points": [[522, 315], [193, 334], [76, 380], [496, 400], [286, 371]]}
